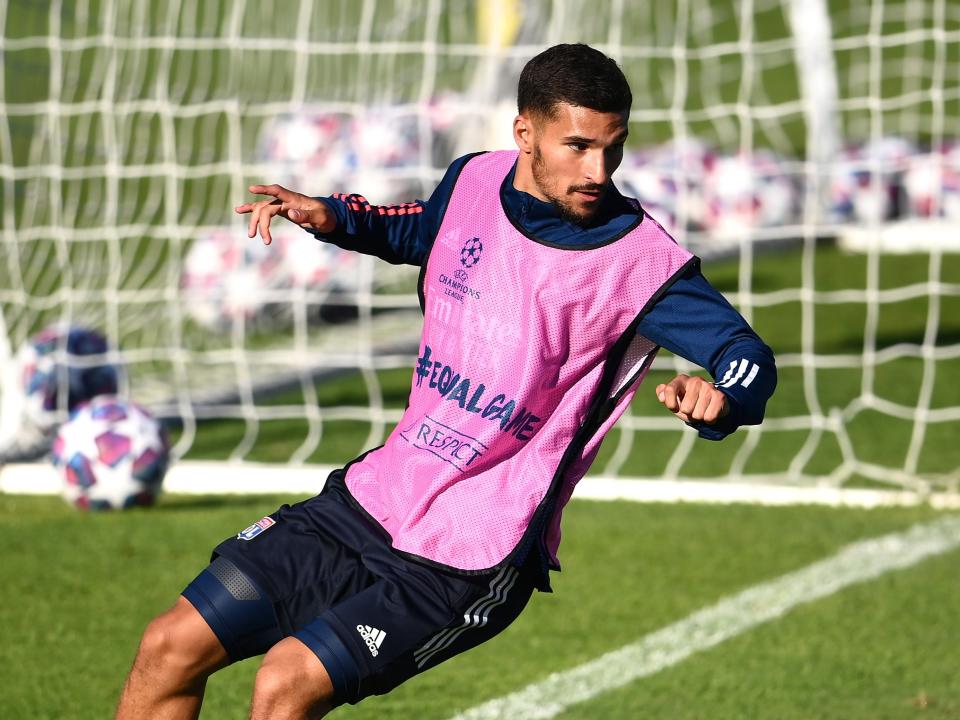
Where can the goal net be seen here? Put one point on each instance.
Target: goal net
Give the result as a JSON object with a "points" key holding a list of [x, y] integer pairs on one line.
{"points": [[809, 155]]}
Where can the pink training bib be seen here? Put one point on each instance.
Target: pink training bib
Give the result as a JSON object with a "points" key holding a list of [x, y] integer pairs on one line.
{"points": [[529, 355]]}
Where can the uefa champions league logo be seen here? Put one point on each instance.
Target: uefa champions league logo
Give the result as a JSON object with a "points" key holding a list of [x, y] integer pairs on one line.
{"points": [[470, 254], [456, 286]]}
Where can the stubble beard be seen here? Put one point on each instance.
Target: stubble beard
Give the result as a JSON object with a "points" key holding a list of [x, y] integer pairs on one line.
{"points": [[541, 178]]}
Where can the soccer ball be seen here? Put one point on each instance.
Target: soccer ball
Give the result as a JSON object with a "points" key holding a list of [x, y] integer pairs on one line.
{"points": [[228, 277], [113, 455], [59, 358], [378, 151], [668, 182], [305, 140], [313, 265], [747, 191], [654, 187], [932, 184], [386, 137], [865, 184]]}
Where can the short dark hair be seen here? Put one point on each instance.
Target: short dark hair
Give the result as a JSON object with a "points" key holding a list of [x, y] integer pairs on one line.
{"points": [[576, 74]]}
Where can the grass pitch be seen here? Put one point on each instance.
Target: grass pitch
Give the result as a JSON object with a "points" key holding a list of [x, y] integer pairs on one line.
{"points": [[80, 589]]}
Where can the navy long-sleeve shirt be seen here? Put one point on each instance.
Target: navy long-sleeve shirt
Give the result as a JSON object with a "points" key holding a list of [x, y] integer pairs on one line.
{"points": [[691, 319]]}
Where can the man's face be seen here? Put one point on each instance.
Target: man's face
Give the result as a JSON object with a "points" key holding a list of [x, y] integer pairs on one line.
{"points": [[574, 157]]}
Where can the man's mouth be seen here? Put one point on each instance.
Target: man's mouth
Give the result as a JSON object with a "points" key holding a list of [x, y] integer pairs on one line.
{"points": [[588, 195]]}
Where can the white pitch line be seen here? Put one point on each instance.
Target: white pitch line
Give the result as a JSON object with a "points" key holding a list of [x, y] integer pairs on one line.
{"points": [[855, 563]]}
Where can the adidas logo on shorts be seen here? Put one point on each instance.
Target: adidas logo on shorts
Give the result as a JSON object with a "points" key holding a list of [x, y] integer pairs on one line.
{"points": [[373, 637]]}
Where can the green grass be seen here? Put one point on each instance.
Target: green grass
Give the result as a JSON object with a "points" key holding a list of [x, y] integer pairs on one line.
{"points": [[874, 650], [80, 589]]}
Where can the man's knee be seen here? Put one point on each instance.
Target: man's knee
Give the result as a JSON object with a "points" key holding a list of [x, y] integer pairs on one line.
{"points": [[291, 678], [180, 642]]}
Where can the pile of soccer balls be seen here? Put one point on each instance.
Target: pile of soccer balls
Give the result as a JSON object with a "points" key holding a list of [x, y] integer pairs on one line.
{"points": [[228, 278], [111, 453], [689, 186]]}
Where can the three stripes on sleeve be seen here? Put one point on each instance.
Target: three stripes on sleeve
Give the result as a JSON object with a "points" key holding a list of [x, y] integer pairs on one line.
{"points": [[742, 372]]}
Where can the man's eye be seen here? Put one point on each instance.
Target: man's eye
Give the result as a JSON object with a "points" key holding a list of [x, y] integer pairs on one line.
{"points": [[577, 147]]}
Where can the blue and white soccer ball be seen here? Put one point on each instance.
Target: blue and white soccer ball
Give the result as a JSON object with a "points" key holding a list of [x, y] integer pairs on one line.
{"points": [[113, 454], [655, 187], [63, 359], [386, 137], [312, 265], [227, 277], [932, 184], [668, 182], [306, 142], [866, 181], [748, 191], [379, 151]]}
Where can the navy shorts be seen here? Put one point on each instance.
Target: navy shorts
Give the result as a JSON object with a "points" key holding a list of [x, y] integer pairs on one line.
{"points": [[373, 617]]}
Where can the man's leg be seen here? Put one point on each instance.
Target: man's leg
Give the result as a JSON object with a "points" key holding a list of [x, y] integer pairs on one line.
{"points": [[291, 683], [177, 653], [222, 616]]}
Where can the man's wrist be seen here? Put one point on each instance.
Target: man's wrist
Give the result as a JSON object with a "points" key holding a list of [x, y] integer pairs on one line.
{"points": [[332, 221]]}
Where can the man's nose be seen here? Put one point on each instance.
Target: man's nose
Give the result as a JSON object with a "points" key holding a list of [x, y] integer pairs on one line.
{"points": [[596, 170]]}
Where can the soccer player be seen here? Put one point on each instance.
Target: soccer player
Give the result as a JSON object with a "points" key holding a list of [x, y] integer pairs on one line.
{"points": [[546, 294]]}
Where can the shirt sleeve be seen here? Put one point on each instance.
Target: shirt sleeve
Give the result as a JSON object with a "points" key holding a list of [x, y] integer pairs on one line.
{"points": [[399, 234], [693, 320]]}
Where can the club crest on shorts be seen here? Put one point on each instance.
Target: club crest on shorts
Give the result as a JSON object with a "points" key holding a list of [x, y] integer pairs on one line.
{"points": [[249, 533]]}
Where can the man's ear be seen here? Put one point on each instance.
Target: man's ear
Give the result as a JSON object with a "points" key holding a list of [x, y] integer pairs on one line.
{"points": [[523, 133]]}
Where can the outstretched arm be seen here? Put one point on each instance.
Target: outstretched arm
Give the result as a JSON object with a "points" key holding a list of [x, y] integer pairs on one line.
{"points": [[399, 234], [390, 232], [395, 233]]}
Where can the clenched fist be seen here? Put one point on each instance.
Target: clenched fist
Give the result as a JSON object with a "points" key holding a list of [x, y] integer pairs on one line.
{"points": [[693, 399]]}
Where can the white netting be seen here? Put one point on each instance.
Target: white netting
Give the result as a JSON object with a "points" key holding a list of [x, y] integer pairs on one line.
{"points": [[129, 130]]}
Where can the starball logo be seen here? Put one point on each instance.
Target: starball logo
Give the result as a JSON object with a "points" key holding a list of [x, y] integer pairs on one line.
{"points": [[456, 286], [470, 253]]}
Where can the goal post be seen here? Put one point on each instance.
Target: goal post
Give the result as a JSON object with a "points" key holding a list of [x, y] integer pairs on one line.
{"points": [[808, 153]]}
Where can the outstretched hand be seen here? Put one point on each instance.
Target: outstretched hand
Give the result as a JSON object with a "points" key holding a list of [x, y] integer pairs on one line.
{"points": [[301, 210], [693, 399]]}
